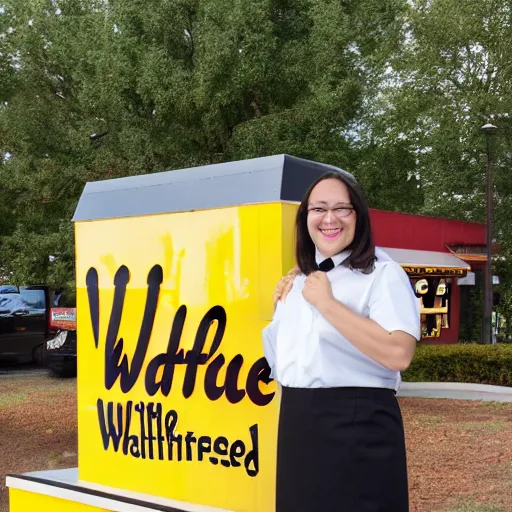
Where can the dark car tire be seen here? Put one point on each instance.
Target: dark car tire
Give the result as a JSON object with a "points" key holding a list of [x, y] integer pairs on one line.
{"points": [[40, 355]]}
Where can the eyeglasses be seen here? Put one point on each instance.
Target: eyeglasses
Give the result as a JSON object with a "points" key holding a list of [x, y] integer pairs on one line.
{"points": [[320, 211]]}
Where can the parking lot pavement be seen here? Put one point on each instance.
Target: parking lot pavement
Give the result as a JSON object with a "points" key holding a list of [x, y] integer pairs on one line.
{"points": [[20, 370]]}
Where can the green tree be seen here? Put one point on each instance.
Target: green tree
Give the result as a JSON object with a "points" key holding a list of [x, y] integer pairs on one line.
{"points": [[451, 76], [98, 89], [449, 79]]}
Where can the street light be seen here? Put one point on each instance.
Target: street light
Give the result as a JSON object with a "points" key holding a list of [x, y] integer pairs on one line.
{"points": [[489, 130]]}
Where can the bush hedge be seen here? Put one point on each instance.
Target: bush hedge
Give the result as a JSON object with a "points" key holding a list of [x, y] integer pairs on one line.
{"points": [[471, 363]]}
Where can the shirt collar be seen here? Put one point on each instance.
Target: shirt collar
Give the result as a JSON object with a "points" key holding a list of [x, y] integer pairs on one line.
{"points": [[337, 259]]}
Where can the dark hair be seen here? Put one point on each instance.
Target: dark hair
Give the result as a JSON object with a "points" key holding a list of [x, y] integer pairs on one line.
{"points": [[362, 247]]}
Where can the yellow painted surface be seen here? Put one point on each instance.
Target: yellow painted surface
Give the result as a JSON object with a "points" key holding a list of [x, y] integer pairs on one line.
{"points": [[24, 501], [230, 259], [289, 211]]}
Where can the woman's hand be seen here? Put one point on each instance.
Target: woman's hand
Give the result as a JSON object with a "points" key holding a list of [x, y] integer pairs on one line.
{"points": [[285, 285], [317, 289]]}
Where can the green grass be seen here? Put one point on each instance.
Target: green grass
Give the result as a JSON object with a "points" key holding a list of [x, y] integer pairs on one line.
{"points": [[18, 390], [56, 459], [475, 507], [497, 405], [484, 426], [429, 420], [12, 398]]}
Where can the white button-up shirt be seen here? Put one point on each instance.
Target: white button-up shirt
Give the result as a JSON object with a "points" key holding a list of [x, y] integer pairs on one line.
{"points": [[305, 351]]}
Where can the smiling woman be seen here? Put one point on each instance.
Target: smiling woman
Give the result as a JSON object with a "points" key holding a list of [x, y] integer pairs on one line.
{"points": [[336, 346], [331, 223], [333, 217]]}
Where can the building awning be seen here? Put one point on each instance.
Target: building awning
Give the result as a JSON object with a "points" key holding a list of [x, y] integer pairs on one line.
{"points": [[471, 253], [428, 263]]}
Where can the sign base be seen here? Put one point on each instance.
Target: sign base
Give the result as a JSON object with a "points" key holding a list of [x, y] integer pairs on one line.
{"points": [[61, 491]]}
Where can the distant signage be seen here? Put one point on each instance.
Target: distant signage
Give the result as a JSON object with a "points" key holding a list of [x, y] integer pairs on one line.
{"points": [[469, 280], [434, 271], [63, 318]]}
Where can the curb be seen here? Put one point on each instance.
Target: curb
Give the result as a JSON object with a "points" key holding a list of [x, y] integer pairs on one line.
{"points": [[455, 390], [455, 386], [22, 373]]}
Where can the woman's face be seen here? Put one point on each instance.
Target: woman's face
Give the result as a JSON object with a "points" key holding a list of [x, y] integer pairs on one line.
{"points": [[331, 219]]}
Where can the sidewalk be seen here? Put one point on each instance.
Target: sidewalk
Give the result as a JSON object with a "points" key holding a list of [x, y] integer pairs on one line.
{"points": [[456, 391]]}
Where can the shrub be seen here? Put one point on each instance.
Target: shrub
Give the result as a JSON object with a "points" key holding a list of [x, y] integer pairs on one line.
{"points": [[471, 363]]}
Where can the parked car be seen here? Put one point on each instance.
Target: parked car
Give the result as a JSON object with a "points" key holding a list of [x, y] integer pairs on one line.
{"points": [[24, 323], [33, 330], [61, 347]]}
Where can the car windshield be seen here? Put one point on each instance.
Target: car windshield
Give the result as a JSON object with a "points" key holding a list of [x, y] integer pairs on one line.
{"points": [[8, 288], [11, 303], [25, 301], [35, 299]]}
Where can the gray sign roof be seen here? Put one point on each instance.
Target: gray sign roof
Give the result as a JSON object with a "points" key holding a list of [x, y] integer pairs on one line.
{"points": [[258, 180]]}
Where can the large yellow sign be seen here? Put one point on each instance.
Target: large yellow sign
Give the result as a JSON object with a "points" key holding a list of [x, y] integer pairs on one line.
{"points": [[171, 394]]}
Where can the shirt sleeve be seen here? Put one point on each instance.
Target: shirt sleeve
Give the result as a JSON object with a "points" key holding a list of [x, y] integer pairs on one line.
{"points": [[269, 335], [393, 304]]}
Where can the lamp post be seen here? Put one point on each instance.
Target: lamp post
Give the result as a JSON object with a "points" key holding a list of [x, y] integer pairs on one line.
{"points": [[489, 130]]}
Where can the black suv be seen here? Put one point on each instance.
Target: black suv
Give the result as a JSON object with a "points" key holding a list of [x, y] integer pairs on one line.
{"points": [[24, 323], [34, 329]]}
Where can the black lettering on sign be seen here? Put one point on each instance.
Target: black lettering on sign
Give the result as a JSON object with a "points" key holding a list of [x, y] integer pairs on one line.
{"points": [[189, 441], [252, 456], [220, 447], [259, 372], [118, 366], [171, 420], [141, 408], [212, 390], [91, 281], [233, 393], [204, 445], [236, 451], [115, 368], [196, 356], [116, 428], [130, 442], [110, 429], [156, 414], [168, 360]]}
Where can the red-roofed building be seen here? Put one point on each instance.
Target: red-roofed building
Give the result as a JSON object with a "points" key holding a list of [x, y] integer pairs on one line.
{"points": [[441, 257]]}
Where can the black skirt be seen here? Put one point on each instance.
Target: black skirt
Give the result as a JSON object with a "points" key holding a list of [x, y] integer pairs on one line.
{"points": [[341, 450]]}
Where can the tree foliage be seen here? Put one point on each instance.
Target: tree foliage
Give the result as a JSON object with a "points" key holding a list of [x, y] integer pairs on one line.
{"points": [[451, 76], [98, 89], [393, 90]]}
